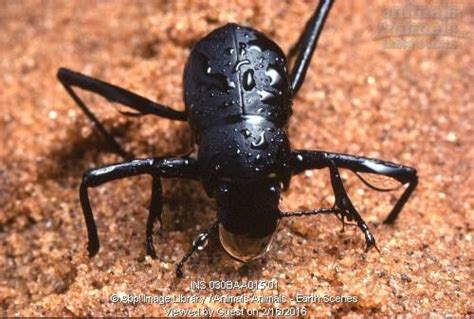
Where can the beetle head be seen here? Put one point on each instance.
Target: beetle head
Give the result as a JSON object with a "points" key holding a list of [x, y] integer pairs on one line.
{"points": [[248, 216]]}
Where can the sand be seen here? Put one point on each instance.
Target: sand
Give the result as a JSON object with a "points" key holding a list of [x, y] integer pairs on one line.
{"points": [[412, 106]]}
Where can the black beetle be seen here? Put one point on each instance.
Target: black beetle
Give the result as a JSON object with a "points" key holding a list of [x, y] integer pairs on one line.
{"points": [[238, 95]]}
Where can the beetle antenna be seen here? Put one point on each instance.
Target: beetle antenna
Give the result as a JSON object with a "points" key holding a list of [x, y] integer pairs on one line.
{"points": [[321, 211], [199, 243]]}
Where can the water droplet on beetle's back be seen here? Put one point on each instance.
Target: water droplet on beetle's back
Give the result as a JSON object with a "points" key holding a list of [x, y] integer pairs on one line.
{"points": [[265, 96], [240, 63], [257, 158], [249, 81], [274, 75], [242, 48], [246, 133], [260, 143], [231, 84]]}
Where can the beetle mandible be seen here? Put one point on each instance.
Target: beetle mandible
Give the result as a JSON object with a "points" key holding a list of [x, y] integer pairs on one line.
{"points": [[238, 95]]}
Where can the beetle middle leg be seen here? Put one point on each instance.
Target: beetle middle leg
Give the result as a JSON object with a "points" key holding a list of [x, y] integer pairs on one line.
{"points": [[184, 167], [116, 94]]}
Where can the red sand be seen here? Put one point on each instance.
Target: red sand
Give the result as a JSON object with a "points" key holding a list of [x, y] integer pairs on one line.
{"points": [[411, 106]]}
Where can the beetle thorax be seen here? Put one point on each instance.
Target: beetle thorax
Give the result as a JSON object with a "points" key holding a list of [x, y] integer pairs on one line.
{"points": [[250, 149]]}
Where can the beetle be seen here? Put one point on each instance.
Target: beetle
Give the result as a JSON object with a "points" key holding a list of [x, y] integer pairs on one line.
{"points": [[238, 95]]}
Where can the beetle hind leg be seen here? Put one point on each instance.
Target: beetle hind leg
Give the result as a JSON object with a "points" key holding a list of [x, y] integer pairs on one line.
{"points": [[115, 94]]}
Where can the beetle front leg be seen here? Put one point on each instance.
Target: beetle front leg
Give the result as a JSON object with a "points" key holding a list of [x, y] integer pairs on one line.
{"points": [[157, 167], [343, 202], [303, 160], [154, 215]]}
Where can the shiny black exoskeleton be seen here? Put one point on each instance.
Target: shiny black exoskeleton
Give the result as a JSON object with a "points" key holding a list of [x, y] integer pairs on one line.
{"points": [[238, 94]]}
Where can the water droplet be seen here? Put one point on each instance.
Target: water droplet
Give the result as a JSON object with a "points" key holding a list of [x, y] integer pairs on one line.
{"points": [[261, 142], [265, 95], [208, 70], [230, 51], [274, 75], [237, 151], [249, 81], [242, 50], [240, 63], [217, 167], [299, 157], [257, 158], [201, 241], [246, 133], [255, 47], [231, 84]]}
